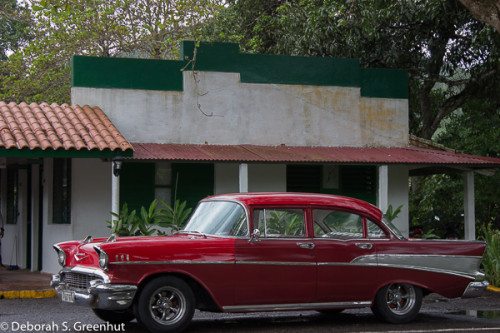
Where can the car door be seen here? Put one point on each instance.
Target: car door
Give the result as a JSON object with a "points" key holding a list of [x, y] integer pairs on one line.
{"points": [[278, 267], [340, 240]]}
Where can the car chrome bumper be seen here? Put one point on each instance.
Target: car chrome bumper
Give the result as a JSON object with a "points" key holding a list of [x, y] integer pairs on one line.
{"points": [[475, 289], [100, 295]]}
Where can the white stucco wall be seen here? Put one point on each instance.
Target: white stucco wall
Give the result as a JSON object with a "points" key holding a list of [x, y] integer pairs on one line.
{"points": [[52, 233], [384, 121], [266, 177], [395, 193], [90, 206], [225, 178], [91, 197], [398, 195], [261, 178], [217, 108], [14, 242]]}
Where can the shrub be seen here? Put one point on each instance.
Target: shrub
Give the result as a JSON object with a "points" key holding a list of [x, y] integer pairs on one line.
{"points": [[158, 214], [491, 258]]}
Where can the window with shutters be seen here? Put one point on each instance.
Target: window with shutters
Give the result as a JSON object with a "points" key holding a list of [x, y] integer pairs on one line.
{"points": [[12, 196], [61, 191]]}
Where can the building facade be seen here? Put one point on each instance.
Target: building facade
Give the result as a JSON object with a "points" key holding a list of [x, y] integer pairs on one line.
{"points": [[218, 121]]}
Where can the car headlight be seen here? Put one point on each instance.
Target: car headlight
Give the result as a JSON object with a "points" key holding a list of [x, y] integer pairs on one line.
{"points": [[61, 255], [103, 258]]}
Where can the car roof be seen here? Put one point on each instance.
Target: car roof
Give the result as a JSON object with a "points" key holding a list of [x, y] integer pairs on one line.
{"points": [[295, 198]]}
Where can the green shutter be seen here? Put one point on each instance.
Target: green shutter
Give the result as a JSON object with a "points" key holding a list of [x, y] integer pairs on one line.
{"points": [[137, 184], [303, 178], [61, 191], [192, 182], [12, 195], [359, 181]]}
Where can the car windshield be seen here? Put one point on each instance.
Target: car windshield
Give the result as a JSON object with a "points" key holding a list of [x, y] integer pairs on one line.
{"points": [[221, 218], [393, 228]]}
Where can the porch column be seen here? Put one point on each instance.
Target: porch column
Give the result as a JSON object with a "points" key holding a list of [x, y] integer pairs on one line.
{"points": [[243, 177], [469, 206], [115, 187], [383, 188]]}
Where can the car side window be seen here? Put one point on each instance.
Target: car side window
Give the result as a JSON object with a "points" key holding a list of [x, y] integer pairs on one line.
{"points": [[278, 223], [337, 224], [374, 231]]}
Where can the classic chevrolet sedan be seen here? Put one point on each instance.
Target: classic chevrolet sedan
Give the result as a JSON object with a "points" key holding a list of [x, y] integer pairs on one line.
{"points": [[266, 252]]}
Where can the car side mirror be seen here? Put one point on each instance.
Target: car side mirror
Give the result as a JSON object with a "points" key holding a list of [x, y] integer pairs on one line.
{"points": [[255, 236]]}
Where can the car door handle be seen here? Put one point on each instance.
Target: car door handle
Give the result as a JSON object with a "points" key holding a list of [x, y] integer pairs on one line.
{"points": [[307, 245], [364, 246]]}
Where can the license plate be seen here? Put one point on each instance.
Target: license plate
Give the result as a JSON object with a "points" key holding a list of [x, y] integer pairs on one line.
{"points": [[68, 296]]}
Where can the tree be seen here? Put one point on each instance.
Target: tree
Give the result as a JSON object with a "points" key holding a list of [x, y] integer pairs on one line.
{"points": [[14, 23], [40, 71], [487, 11], [472, 130], [451, 57]]}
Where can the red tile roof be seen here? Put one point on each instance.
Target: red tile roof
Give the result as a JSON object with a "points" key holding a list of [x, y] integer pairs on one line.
{"points": [[58, 127], [288, 154]]}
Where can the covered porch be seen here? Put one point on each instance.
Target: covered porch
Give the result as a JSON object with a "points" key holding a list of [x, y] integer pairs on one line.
{"points": [[376, 174]]}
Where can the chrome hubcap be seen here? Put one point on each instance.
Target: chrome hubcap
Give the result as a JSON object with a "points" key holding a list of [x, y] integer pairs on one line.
{"points": [[400, 298], [167, 305]]}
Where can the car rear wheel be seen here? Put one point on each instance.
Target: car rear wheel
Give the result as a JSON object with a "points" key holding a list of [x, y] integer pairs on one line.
{"points": [[115, 316], [397, 303], [166, 304]]}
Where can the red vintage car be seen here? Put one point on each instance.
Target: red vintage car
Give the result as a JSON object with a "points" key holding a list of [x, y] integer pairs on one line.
{"points": [[266, 252]]}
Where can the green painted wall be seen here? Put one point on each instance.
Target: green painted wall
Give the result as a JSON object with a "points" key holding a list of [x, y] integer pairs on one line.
{"points": [[61, 153], [137, 184], [127, 73], [192, 181], [166, 75], [357, 181]]}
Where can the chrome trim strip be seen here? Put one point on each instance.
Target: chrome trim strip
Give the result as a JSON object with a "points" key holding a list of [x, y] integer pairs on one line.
{"points": [[333, 239], [172, 262], [345, 264], [419, 256], [281, 239], [89, 271], [276, 263], [296, 306], [432, 270], [458, 265], [475, 289], [86, 240]]}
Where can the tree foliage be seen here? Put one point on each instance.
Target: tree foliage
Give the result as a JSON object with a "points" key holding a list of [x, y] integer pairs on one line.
{"points": [[128, 28], [14, 27], [450, 56], [452, 59], [473, 130]]}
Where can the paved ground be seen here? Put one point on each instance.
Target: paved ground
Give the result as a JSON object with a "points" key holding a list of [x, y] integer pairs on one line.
{"points": [[23, 280], [437, 315]]}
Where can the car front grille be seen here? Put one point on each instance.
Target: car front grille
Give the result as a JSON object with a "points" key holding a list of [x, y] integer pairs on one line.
{"points": [[78, 280]]}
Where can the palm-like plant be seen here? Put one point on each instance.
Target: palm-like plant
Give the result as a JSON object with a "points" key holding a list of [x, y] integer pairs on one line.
{"points": [[175, 216], [491, 258], [125, 223]]}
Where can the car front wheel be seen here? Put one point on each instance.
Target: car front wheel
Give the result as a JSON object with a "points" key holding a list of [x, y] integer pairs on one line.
{"points": [[166, 304], [397, 303]]}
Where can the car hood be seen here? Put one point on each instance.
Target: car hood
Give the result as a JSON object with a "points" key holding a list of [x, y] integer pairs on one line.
{"points": [[123, 250]]}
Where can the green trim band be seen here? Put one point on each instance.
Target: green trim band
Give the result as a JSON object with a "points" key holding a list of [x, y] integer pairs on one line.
{"points": [[147, 74], [28, 153], [166, 75]]}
